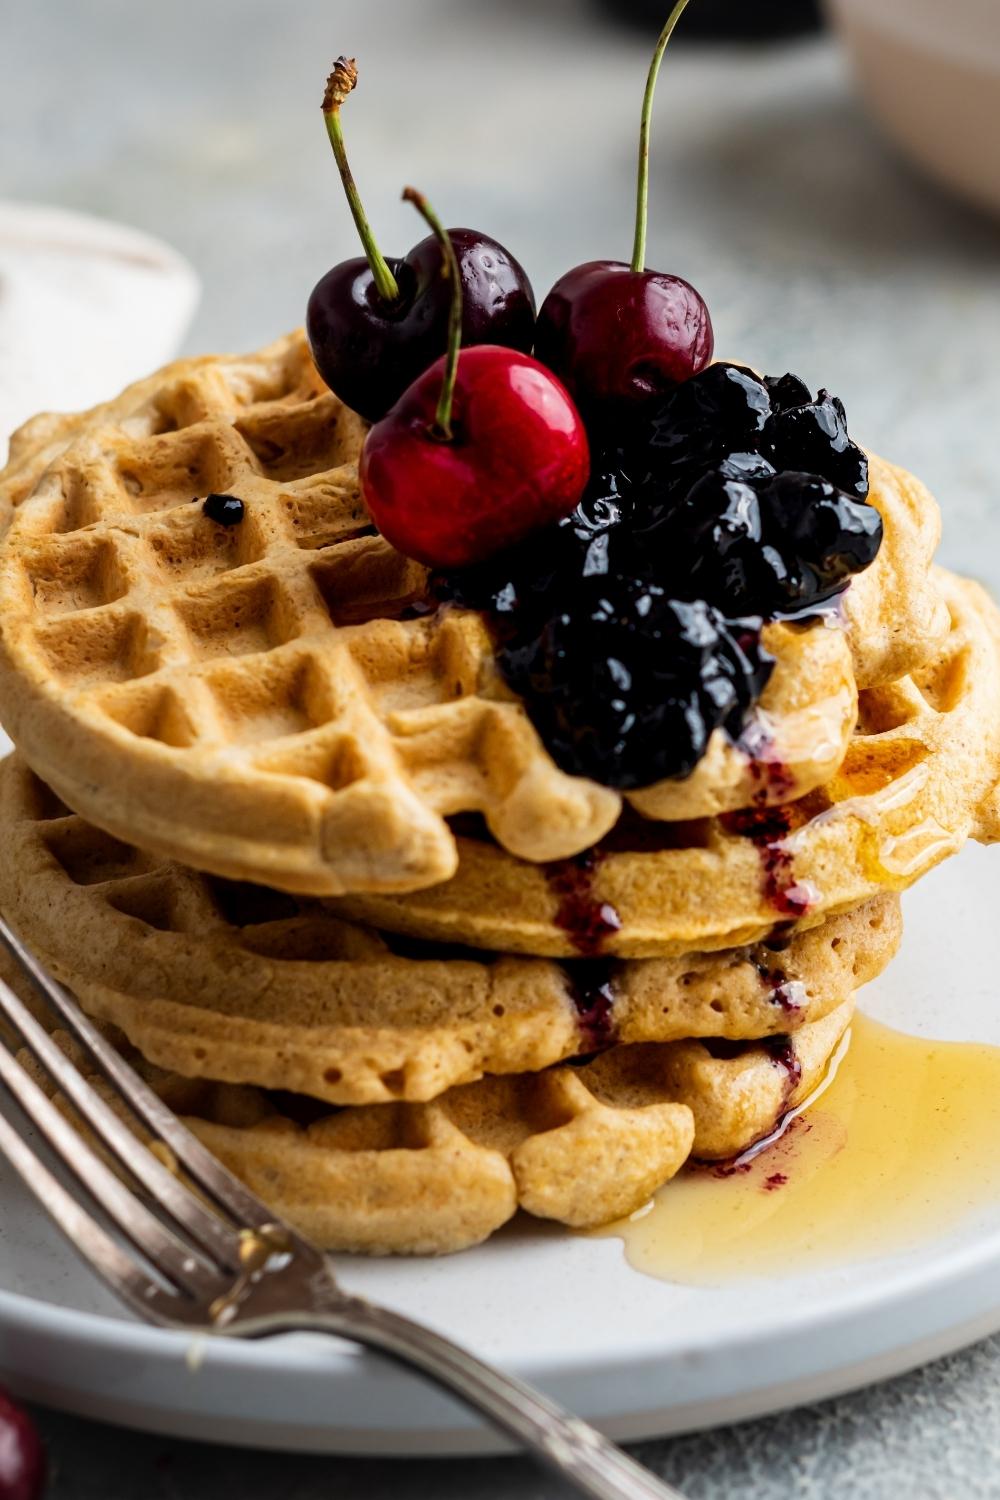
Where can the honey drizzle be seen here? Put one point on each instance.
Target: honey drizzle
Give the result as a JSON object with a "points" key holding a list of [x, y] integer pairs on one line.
{"points": [[896, 1147]]}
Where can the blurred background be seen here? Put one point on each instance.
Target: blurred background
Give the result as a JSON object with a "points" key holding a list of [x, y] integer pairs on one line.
{"points": [[817, 245]]}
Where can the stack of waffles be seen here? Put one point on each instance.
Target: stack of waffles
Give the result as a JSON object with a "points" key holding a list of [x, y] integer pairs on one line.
{"points": [[281, 826]]}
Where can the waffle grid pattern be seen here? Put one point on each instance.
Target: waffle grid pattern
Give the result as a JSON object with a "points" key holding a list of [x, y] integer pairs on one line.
{"points": [[269, 702]]}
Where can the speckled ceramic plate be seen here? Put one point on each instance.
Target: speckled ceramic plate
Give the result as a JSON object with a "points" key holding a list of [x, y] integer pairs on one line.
{"points": [[639, 1356]]}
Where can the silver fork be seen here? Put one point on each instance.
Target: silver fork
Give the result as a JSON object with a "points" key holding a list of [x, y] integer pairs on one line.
{"points": [[238, 1271]]}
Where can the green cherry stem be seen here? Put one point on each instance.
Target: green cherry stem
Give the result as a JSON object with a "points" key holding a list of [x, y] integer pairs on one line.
{"points": [[339, 85], [642, 185], [442, 417]]}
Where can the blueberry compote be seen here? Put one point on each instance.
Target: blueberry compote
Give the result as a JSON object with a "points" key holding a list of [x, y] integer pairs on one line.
{"points": [[631, 629]]}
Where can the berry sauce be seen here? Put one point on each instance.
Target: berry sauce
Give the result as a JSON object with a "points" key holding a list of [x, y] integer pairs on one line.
{"points": [[587, 921], [591, 987], [782, 1053], [785, 1131], [224, 510], [783, 992], [787, 994], [631, 629], [768, 828], [725, 1169], [773, 778], [780, 1049]]}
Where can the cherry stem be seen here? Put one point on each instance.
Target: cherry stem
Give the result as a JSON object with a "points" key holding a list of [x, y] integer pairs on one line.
{"points": [[442, 417], [338, 86], [642, 186]]}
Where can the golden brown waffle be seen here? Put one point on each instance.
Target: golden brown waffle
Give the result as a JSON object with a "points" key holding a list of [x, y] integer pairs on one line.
{"points": [[255, 701], [918, 779], [581, 1145], [42, 439], [32, 448], [246, 985]]}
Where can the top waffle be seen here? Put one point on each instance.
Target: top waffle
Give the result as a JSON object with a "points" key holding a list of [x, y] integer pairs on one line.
{"points": [[40, 441], [264, 703]]}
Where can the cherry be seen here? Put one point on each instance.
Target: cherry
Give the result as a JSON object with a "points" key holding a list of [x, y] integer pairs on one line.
{"points": [[375, 325], [620, 336], [22, 1457], [483, 448]]}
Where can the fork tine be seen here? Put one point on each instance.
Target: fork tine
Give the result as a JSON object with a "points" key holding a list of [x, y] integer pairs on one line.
{"points": [[123, 1274], [174, 1260], [199, 1164], [205, 1227]]}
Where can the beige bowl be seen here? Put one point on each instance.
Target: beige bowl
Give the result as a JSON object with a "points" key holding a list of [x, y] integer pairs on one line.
{"points": [[930, 70]]}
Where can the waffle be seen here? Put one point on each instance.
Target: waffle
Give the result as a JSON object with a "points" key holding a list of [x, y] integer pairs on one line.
{"points": [[918, 779], [44, 438], [580, 1145], [258, 702], [32, 448], [244, 985]]}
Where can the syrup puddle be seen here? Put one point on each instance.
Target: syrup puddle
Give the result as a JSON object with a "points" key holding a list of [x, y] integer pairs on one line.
{"points": [[896, 1146]]}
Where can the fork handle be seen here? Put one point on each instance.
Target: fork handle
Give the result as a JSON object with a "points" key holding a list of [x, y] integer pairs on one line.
{"points": [[583, 1456]]}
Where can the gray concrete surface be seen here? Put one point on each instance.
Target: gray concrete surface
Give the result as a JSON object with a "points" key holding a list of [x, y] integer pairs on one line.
{"points": [[932, 1435], [817, 250]]}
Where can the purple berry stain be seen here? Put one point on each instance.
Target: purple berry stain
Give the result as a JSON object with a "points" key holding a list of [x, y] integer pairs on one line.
{"points": [[768, 829], [587, 920], [591, 987]]}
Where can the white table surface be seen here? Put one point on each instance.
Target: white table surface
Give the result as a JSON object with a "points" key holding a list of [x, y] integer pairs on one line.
{"points": [[817, 251]]}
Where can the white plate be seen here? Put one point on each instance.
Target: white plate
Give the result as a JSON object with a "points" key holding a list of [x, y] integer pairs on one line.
{"points": [[638, 1356]]}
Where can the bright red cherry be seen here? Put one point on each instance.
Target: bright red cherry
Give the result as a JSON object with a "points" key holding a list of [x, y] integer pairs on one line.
{"points": [[483, 448], [375, 324], [621, 337], [517, 459], [22, 1457]]}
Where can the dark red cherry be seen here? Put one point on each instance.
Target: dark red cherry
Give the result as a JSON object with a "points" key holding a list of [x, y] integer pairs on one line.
{"points": [[618, 335], [369, 350], [22, 1457], [374, 324], [622, 339], [483, 448], [517, 460]]}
